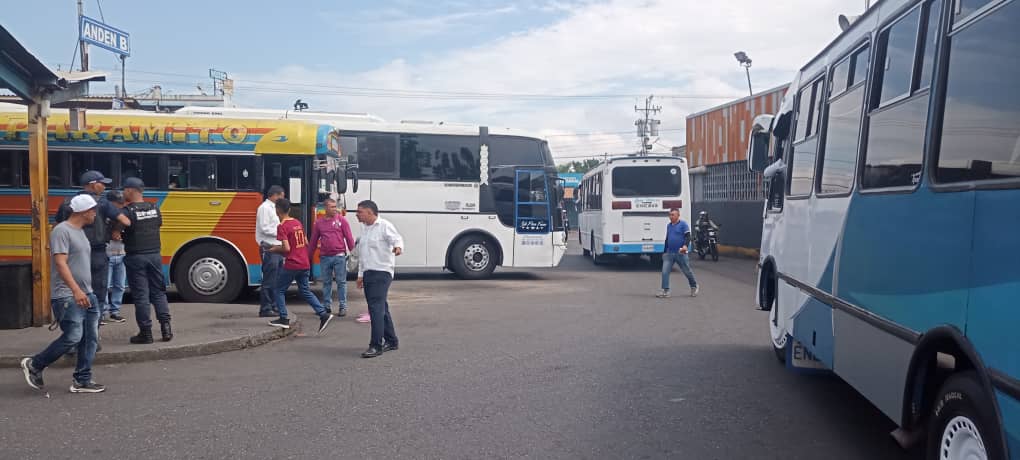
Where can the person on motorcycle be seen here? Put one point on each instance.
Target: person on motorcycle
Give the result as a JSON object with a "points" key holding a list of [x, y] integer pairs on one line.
{"points": [[704, 224]]}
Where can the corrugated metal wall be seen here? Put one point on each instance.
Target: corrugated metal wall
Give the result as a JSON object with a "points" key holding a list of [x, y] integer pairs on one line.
{"points": [[719, 135]]}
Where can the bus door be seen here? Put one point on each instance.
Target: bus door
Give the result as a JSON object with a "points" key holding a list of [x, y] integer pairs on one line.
{"points": [[294, 174], [532, 218]]}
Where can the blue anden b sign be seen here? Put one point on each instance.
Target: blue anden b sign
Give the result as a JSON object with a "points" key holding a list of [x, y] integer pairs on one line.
{"points": [[96, 33]]}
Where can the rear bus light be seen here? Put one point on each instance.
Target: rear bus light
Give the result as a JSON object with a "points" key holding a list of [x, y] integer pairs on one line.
{"points": [[621, 205], [670, 204], [616, 237]]}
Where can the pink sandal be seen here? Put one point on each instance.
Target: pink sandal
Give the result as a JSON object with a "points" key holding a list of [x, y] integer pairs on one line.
{"points": [[364, 318]]}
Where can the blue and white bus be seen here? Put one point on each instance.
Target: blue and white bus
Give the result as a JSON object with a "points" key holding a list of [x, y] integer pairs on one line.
{"points": [[891, 245], [625, 203]]}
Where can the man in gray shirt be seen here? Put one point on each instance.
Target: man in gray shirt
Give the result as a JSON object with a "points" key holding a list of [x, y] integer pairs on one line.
{"points": [[74, 304]]}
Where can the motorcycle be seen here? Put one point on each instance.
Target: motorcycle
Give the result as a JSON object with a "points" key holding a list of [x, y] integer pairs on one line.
{"points": [[708, 243]]}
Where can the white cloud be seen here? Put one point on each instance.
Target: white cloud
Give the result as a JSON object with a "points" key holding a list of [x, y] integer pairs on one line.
{"points": [[666, 47]]}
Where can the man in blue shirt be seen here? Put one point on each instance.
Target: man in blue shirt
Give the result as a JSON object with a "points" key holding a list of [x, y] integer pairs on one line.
{"points": [[678, 235]]}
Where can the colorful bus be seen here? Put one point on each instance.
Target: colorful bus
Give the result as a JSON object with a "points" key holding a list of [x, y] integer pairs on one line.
{"points": [[888, 250], [208, 175]]}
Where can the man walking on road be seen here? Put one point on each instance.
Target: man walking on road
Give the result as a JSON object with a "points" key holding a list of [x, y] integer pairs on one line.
{"points": [[332, 236], [97, 231], [74, 305], [144, 263], [294, 246], [266, 224], [678, 235], [377, 251]]}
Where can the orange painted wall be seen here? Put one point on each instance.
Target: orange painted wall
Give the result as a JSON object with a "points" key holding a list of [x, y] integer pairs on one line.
{"points": [[720, 135]]}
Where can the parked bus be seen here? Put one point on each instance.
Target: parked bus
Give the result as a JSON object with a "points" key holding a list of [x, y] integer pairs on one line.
{"points": [[888, 253], [625, 205], [207, 174], [466, 198]]}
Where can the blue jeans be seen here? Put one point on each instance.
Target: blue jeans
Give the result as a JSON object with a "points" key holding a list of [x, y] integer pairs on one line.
{"points": [[670, 258], [116, 279], [284, 279], [272, 263], [334, 268], [80, 330], [377, 288], [148, 287]]}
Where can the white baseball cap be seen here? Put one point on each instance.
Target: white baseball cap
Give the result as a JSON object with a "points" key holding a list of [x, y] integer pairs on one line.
{"points": [[82, 203]]}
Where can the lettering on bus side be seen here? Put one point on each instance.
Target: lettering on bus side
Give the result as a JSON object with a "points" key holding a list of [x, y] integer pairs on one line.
{"points": [[125, 133]]}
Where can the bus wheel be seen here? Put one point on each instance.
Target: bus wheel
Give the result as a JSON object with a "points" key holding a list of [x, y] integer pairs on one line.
{"points": [[962, 421], [580, 242], [473, 257], [594, 255], [352, 266], [210, 273]]}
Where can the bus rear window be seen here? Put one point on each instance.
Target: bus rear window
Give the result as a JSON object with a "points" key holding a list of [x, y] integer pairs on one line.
{"points": [[646, 181]]}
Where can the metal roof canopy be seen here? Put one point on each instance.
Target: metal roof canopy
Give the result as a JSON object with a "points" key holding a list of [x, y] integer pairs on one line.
{"points": [[30, 79], [38, 86]]}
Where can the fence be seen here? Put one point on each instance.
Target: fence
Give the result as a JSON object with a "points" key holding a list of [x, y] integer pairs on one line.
{"points": [[734, 197], [726, 182]]}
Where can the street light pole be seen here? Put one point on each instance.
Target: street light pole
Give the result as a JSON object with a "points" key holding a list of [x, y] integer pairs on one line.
{"points": [[745, 61]]}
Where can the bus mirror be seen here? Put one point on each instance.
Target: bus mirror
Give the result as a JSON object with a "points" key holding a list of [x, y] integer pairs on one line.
{"points": [[758, 146], [341, 183]]}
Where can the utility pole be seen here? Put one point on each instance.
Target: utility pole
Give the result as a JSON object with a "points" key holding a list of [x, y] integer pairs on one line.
{"points": [[84, 46], [647, 127]]}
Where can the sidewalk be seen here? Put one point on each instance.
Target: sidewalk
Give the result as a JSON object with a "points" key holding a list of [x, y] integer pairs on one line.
{"points": [[199, 329]]}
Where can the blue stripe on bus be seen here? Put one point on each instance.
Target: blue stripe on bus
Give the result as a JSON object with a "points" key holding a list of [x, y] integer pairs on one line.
{"points": [[633, 248], [812, 326]]}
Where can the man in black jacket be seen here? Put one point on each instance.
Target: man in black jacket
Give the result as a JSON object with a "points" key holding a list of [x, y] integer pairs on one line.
{"points": [[144, 263]]}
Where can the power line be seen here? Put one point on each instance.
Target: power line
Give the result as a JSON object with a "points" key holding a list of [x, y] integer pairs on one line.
{"points": [[317, 88]]}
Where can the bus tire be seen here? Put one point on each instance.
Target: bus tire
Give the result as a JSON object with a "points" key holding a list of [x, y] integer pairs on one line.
{"points": [[580, 242], [594, 255], [655, 260], [962, 420], [473, 257], [352, 266], [210, 273]]}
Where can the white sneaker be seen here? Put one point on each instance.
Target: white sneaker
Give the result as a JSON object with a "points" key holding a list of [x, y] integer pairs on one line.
{"points": [[663, 294], [695, 290]]}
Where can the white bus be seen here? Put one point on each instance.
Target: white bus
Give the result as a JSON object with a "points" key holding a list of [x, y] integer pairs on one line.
{"points": [[465, 198], [624, 205], [888, 251]]}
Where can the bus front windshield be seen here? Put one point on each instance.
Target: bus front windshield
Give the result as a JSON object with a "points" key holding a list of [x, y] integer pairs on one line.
{"points": [[646, 181]]}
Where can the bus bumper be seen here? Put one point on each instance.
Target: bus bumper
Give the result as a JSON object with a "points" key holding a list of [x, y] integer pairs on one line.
{"points": [[633, 248]]}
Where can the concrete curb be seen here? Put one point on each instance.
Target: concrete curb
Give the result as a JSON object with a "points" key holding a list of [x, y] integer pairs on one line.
{"points": [[251, 340]]}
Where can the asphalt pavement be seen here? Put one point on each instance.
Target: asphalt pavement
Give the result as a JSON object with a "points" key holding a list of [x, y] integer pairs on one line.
{"points": [[573, 362]]}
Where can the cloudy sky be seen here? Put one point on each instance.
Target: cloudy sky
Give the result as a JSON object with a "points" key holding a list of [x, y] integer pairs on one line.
{"points": [[568, 70]]}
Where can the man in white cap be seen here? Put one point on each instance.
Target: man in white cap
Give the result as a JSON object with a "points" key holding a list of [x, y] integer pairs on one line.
{"points": [[74, 304], [94, 183]]}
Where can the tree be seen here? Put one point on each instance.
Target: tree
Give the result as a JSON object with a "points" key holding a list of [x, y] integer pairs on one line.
{"points": [[578, 166]]}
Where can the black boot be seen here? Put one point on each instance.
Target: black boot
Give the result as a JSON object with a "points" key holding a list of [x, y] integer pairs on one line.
{"points": [[168, 332], [144, 336]]}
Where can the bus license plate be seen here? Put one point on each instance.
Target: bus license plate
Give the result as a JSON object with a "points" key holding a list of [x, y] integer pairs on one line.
{"points": [[645, 204], [647, 247]]}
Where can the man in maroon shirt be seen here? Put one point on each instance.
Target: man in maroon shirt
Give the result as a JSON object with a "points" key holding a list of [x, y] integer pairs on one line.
{"points": [[332, 236], [294, 247]]}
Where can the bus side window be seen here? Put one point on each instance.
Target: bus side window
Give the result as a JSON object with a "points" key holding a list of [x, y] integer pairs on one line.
{"points": [[6, 168]]}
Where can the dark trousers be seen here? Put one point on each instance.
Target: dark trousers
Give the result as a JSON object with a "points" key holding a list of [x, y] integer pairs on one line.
{"points": [[377, 287], [100, 268], [271, 265], [148, 287]]}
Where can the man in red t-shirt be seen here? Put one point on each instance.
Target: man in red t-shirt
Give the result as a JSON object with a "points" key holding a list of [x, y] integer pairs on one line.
{"points": [[294, 247]]}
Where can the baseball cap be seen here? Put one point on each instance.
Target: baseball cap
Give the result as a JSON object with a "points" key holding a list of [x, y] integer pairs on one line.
{"points": [[82, 202], [94, 176], [134, 182], [115, 196]]}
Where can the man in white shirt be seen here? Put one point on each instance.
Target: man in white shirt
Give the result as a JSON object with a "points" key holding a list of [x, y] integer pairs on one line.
{"points": [[378, 247], [266, 224]]}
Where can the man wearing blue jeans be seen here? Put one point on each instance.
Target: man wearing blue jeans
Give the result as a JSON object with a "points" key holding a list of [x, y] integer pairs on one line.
{"points": [[296, 265], [266, 223], [116, 277], [332, 236], [74, 305], [678, 235]]}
